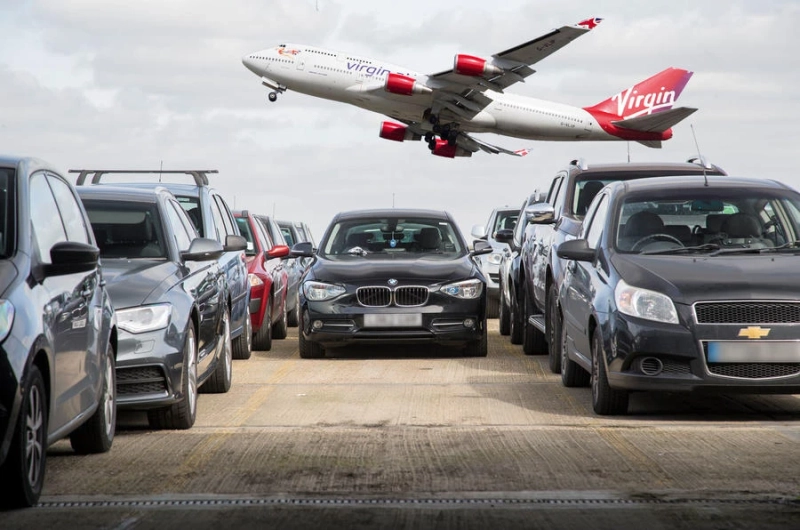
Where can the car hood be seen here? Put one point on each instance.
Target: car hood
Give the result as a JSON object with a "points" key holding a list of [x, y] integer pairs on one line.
{"points": [[8, 272], [134, 282], [424, 270], [690, 279]]}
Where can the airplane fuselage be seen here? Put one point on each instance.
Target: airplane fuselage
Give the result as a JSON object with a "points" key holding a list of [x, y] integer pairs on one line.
{"points": [[360, 81]]}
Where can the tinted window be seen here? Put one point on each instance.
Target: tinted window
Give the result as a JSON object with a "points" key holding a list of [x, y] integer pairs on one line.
{"points": [[505, 221], [126, 229], [47, 229], [70, 211], [288, 235], [175, 215], [192, 207], [6, 212], [244, 230]]}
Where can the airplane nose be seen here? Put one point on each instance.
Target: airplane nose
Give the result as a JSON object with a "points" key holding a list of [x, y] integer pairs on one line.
{"points": [[249, 63]]}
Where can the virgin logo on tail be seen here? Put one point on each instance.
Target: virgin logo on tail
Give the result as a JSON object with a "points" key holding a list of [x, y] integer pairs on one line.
{"points": [[651, 95]]}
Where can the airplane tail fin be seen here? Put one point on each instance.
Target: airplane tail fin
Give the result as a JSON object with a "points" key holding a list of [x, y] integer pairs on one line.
{"points": [[653, 95]]}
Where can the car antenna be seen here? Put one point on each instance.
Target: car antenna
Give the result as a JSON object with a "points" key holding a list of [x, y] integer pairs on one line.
{"points": [[160, 169], [629, 152], [702, 164]]}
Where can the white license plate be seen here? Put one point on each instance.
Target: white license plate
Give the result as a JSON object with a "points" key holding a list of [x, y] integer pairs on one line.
{"points": [[393, 320], [753, 352]]}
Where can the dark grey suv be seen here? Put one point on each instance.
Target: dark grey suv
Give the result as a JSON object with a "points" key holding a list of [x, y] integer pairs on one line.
{"points": [[213, 219], [169, 295]]}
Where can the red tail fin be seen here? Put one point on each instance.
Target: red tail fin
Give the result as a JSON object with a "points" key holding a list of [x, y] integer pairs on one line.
{"points": [[650, 96]]}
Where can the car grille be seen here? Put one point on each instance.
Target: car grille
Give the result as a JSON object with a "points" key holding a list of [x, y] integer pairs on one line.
{"points": [[745, 313], [380, 296], [755, 370], [374, 296], [140, 380]]}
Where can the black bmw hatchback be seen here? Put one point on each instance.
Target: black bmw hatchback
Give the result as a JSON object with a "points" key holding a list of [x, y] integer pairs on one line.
{"points": [[392, 276], [683, 284]]}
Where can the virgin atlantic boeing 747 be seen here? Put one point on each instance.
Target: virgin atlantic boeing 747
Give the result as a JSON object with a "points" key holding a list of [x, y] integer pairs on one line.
{"points": [[444, 108]]}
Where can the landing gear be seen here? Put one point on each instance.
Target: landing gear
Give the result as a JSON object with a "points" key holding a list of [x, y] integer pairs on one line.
{"points": [[273, 96]]}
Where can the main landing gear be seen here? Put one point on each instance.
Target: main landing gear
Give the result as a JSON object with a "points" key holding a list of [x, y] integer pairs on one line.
{"points": [[446, 132]]}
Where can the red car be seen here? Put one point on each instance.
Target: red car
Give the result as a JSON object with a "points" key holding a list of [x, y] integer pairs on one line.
{"points": [[268, 281]]}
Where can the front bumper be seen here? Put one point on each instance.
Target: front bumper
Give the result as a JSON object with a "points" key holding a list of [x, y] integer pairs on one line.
{"points": [[492, 274], [149, 368], [651, 356]]}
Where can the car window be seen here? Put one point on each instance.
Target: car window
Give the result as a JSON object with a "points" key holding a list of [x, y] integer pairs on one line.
{"points": [[244, 230], [505, 221], [227, 218], [265, 237], [597, 221], [192, 207], [7, 213], [70, 210], [126, 229], [183, 238], [47, 230], [288, 235]]}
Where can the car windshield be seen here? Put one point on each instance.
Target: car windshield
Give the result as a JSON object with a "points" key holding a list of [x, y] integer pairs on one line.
{"points": [[711, 220], [7, 239], [391, 238], [244, 229], [192, 207], [126, 229]]}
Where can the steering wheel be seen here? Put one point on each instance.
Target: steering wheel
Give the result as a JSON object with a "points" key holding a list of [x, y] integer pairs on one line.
{"points": [[645, 239]]}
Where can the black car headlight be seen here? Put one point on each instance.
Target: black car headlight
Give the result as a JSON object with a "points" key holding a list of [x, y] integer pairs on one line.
{"points": [[145, 318], [6, 318], [320, 291], [643, 303], [466, 289]]}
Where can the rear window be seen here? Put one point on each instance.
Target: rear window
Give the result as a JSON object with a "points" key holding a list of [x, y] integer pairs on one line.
{"points": [[126, 229], [6, 212]]}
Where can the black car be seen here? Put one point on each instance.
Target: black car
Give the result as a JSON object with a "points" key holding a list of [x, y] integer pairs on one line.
{"points": [[212, 219], [57, 329], [718, 309], [168, 292], [392, 276]]}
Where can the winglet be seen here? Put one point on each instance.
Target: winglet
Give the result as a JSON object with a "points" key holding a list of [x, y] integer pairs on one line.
{"points": [[522, 152], [590, 23]]}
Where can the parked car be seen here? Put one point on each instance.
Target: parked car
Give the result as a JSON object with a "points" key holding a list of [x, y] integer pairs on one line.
{"points": [[558, 219], [293, 232], [642, 309], [212, 218], [392, 276], [268, 281], [58, 332], [304, 233], [294, 269], [168, 291], [502, 218]]}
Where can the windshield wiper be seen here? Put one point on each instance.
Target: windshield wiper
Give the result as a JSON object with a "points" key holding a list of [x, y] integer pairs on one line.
{"points": [[790, 245], [681, 250]]}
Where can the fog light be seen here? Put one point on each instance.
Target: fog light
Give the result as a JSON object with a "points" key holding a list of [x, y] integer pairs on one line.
{"points": [[469, 323], [317, 324]]}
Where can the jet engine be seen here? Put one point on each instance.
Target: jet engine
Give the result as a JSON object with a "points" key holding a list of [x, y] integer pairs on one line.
{"points": [[397, 132], [404, 85], [443, 148], [474, 66]]}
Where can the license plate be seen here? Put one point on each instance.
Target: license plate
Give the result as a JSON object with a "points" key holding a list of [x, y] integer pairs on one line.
{"points": [[754, 352], [393, 320]]}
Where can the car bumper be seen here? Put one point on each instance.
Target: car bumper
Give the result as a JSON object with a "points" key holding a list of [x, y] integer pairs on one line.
{"points": [[258, 305], [13, 355], [492, 274], [651, 356], [149, 368]]}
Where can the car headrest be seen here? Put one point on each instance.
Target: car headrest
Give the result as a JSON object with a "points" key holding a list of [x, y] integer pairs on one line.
{"points": [[643, 223]]}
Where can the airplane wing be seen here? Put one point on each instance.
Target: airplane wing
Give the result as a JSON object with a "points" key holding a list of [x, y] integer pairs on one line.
{"points": [[514, 64]]}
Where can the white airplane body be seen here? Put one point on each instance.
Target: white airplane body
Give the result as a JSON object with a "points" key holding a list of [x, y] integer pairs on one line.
{"points": [[445, 108]]}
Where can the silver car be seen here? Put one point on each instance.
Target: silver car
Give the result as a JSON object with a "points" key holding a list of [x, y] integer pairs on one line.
{"points": [[504, 217]]}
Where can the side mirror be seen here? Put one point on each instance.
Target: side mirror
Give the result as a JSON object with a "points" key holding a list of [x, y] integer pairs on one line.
{"points": [[302, 250], [480, 247], [233, 243], [541, 213], [479, 232], [68, 257], [576, 249], [505, 235], [278, 251], [203, 249]]}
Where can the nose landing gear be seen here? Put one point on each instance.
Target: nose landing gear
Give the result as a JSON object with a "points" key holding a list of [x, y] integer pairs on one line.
{"points": [[273, 96]]}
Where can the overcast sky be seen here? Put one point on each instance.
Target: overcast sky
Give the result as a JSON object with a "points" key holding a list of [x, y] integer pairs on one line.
{"points": [[120, 84]]}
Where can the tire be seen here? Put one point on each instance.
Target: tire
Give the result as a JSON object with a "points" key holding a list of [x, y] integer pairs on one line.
{"points": [[503, 315], [606, 401], [23, 470], [309, 349], [97, 434], [478, 348], [572, 375], [220, 380], [534, 342], [262, 341], [280, 328], [243, 345], [492, 307], [293, 315], [515, 323], [553, 331], [181, 415]]}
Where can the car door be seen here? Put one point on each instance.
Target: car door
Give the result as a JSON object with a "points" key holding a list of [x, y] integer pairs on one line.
{"points": [[232, 262], [74, 311], [275, 267], [585, 278]]}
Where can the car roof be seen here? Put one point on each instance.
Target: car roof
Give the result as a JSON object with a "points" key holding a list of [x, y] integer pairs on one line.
{"points": [[693, 166], [190, 190], [117, 193], [393, 212], [687, 182]]}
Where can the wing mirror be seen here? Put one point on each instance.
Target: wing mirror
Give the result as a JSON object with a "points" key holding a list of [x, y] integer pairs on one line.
{"points": [[203, 249], [233, 243], [506, 235], [479, 232], [302, 250], [68, 257], [541, 213], [576, 249], [278, 251], [480, 247]]}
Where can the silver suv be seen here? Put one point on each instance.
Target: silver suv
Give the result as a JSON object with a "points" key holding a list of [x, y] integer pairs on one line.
{"points": [[501, 218]]}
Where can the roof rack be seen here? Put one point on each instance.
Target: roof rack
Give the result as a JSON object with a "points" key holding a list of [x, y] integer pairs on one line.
{"points": [[200, 176], [580, 163], [701, 161]]}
